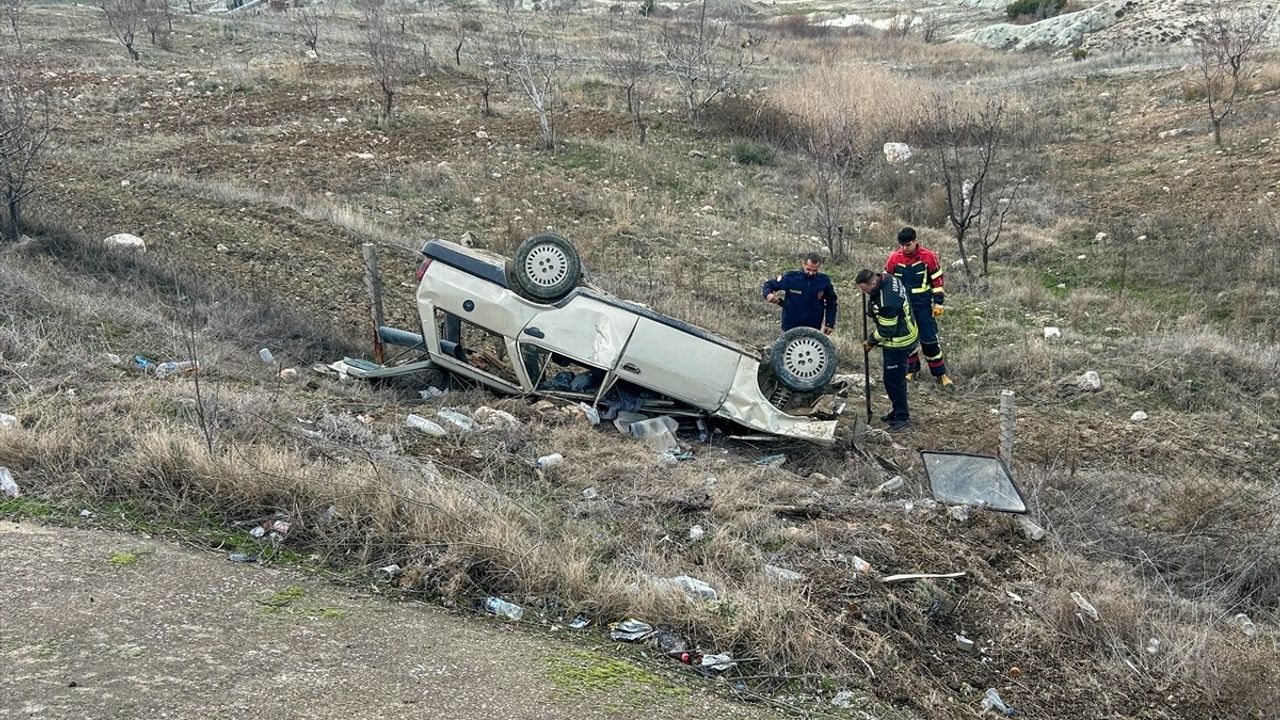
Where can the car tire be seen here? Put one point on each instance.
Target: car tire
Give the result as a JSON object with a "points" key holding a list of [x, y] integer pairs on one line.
{"points": [[546, 268], [803, 359]]}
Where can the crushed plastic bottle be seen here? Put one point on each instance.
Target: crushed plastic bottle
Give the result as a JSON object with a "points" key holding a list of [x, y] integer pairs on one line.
{"points": [[992, 701], [503, 609], [1153, 646], [547, 461], [266, 356], [418, 422], [165, 369], [137, 362], [457, 419], [8, 485]]}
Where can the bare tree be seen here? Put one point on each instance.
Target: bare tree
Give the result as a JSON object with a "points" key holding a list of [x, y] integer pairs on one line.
{"points": [[1001, 199], [123, 18], [25, 120], [307, 17], [14, 10], [967, 144], [707, 58], [533, 61], [833, 143], [630, 62], [929, 25], [385, 48], [1227, 49], [159, 20], [464, 26]]}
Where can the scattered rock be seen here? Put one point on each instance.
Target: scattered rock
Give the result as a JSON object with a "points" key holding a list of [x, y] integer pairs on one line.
{"points": [[127, 241], [1052, 332], [897, 153], [1138, 416], [1089, 381]]}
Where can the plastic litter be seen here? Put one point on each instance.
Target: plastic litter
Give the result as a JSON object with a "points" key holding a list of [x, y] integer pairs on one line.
{"points": [[860, 566], [280, 527], [137, 362], [782, 574], [590, 494], [772, 460], [112, 358], [86, 513], [670, 643], [8, 422], [959, 513], [696, 533], [844, 699], [456, 419], [266, 356], [547, 461], [418, 422], [1242, 621], [1153, 646], [1085, 606], [1030, 529], [431, 392], [165, 369], [503, 609], [579, 622], [591, 414], [992, 701], [624, 420], [966, 644], [657, 433], [391, 571], [719, 663], [242, 558], [258, 532], [689, 585], [1052, 332], [630, 630], [672, 458], [893, 484], [7, 484]]}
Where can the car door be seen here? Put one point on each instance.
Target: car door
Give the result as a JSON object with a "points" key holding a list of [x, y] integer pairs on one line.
{"points": [[585, 329], [679, 364]]}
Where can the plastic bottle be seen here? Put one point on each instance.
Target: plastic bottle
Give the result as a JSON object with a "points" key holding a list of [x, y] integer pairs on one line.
{"points": [[547, 461], [266, 356], [502, 608], [138, 362], [457, 419], [1246, 625], [8, 485], [420, 423], [165, 369]]}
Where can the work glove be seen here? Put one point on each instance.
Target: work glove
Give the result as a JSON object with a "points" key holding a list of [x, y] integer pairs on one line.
{"points": [[938, 310], [868, 344]]}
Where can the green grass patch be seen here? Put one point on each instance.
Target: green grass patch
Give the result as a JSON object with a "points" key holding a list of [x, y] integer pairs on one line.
{"points": [[617, 684], [123, 559], [745, 152], [585, 157], [25, 507]]}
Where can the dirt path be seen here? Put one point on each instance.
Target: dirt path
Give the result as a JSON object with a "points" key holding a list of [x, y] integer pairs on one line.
{"points": [[102, 624]]}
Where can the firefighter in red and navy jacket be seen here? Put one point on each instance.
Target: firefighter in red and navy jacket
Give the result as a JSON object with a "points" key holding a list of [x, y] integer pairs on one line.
{"points": [[807, 297], [918, 269]]}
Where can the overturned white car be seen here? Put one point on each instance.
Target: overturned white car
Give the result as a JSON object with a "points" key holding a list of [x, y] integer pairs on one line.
{"points": [[527, 326]]}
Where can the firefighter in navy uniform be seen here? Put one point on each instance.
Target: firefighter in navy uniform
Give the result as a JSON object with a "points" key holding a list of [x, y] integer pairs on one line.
{"points": [[918, 269], [895, 333], [807, 297]]}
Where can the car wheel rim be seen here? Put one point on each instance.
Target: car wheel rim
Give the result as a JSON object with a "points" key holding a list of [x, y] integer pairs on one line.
{"points": [[546, 265], [805, 358]]}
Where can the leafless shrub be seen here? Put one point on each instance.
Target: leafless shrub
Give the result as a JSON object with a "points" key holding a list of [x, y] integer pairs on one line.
{"points": [[1227, 51], [901, 25], [385, 50], [533, 61], [124, 17], [929, 25], [834, 146], [14, 9], [629, 60], [158, 17], [307, 19], [966, 148], [464, 26], [707, 58], [26, 116]]}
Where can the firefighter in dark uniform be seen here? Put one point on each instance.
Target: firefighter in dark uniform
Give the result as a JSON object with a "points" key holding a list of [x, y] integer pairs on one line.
{"points": [[807, 297], [895, 333], [918, 269]]}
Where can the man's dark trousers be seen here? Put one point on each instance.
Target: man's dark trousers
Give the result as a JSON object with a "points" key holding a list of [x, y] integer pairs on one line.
{"points": [[895, 379]]}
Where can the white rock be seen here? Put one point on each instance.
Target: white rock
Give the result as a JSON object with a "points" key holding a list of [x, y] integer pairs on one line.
{"points": [[897, 153], [223, 248], [696, 533], [365, 156], [482, 134], [1138, 416], [1090, 381], [8, 422], [1100, 237], [125, 240], [1052, 332]]}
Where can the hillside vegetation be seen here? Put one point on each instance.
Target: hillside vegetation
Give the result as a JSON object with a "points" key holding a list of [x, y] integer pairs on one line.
{"points": [[254, 170]]}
